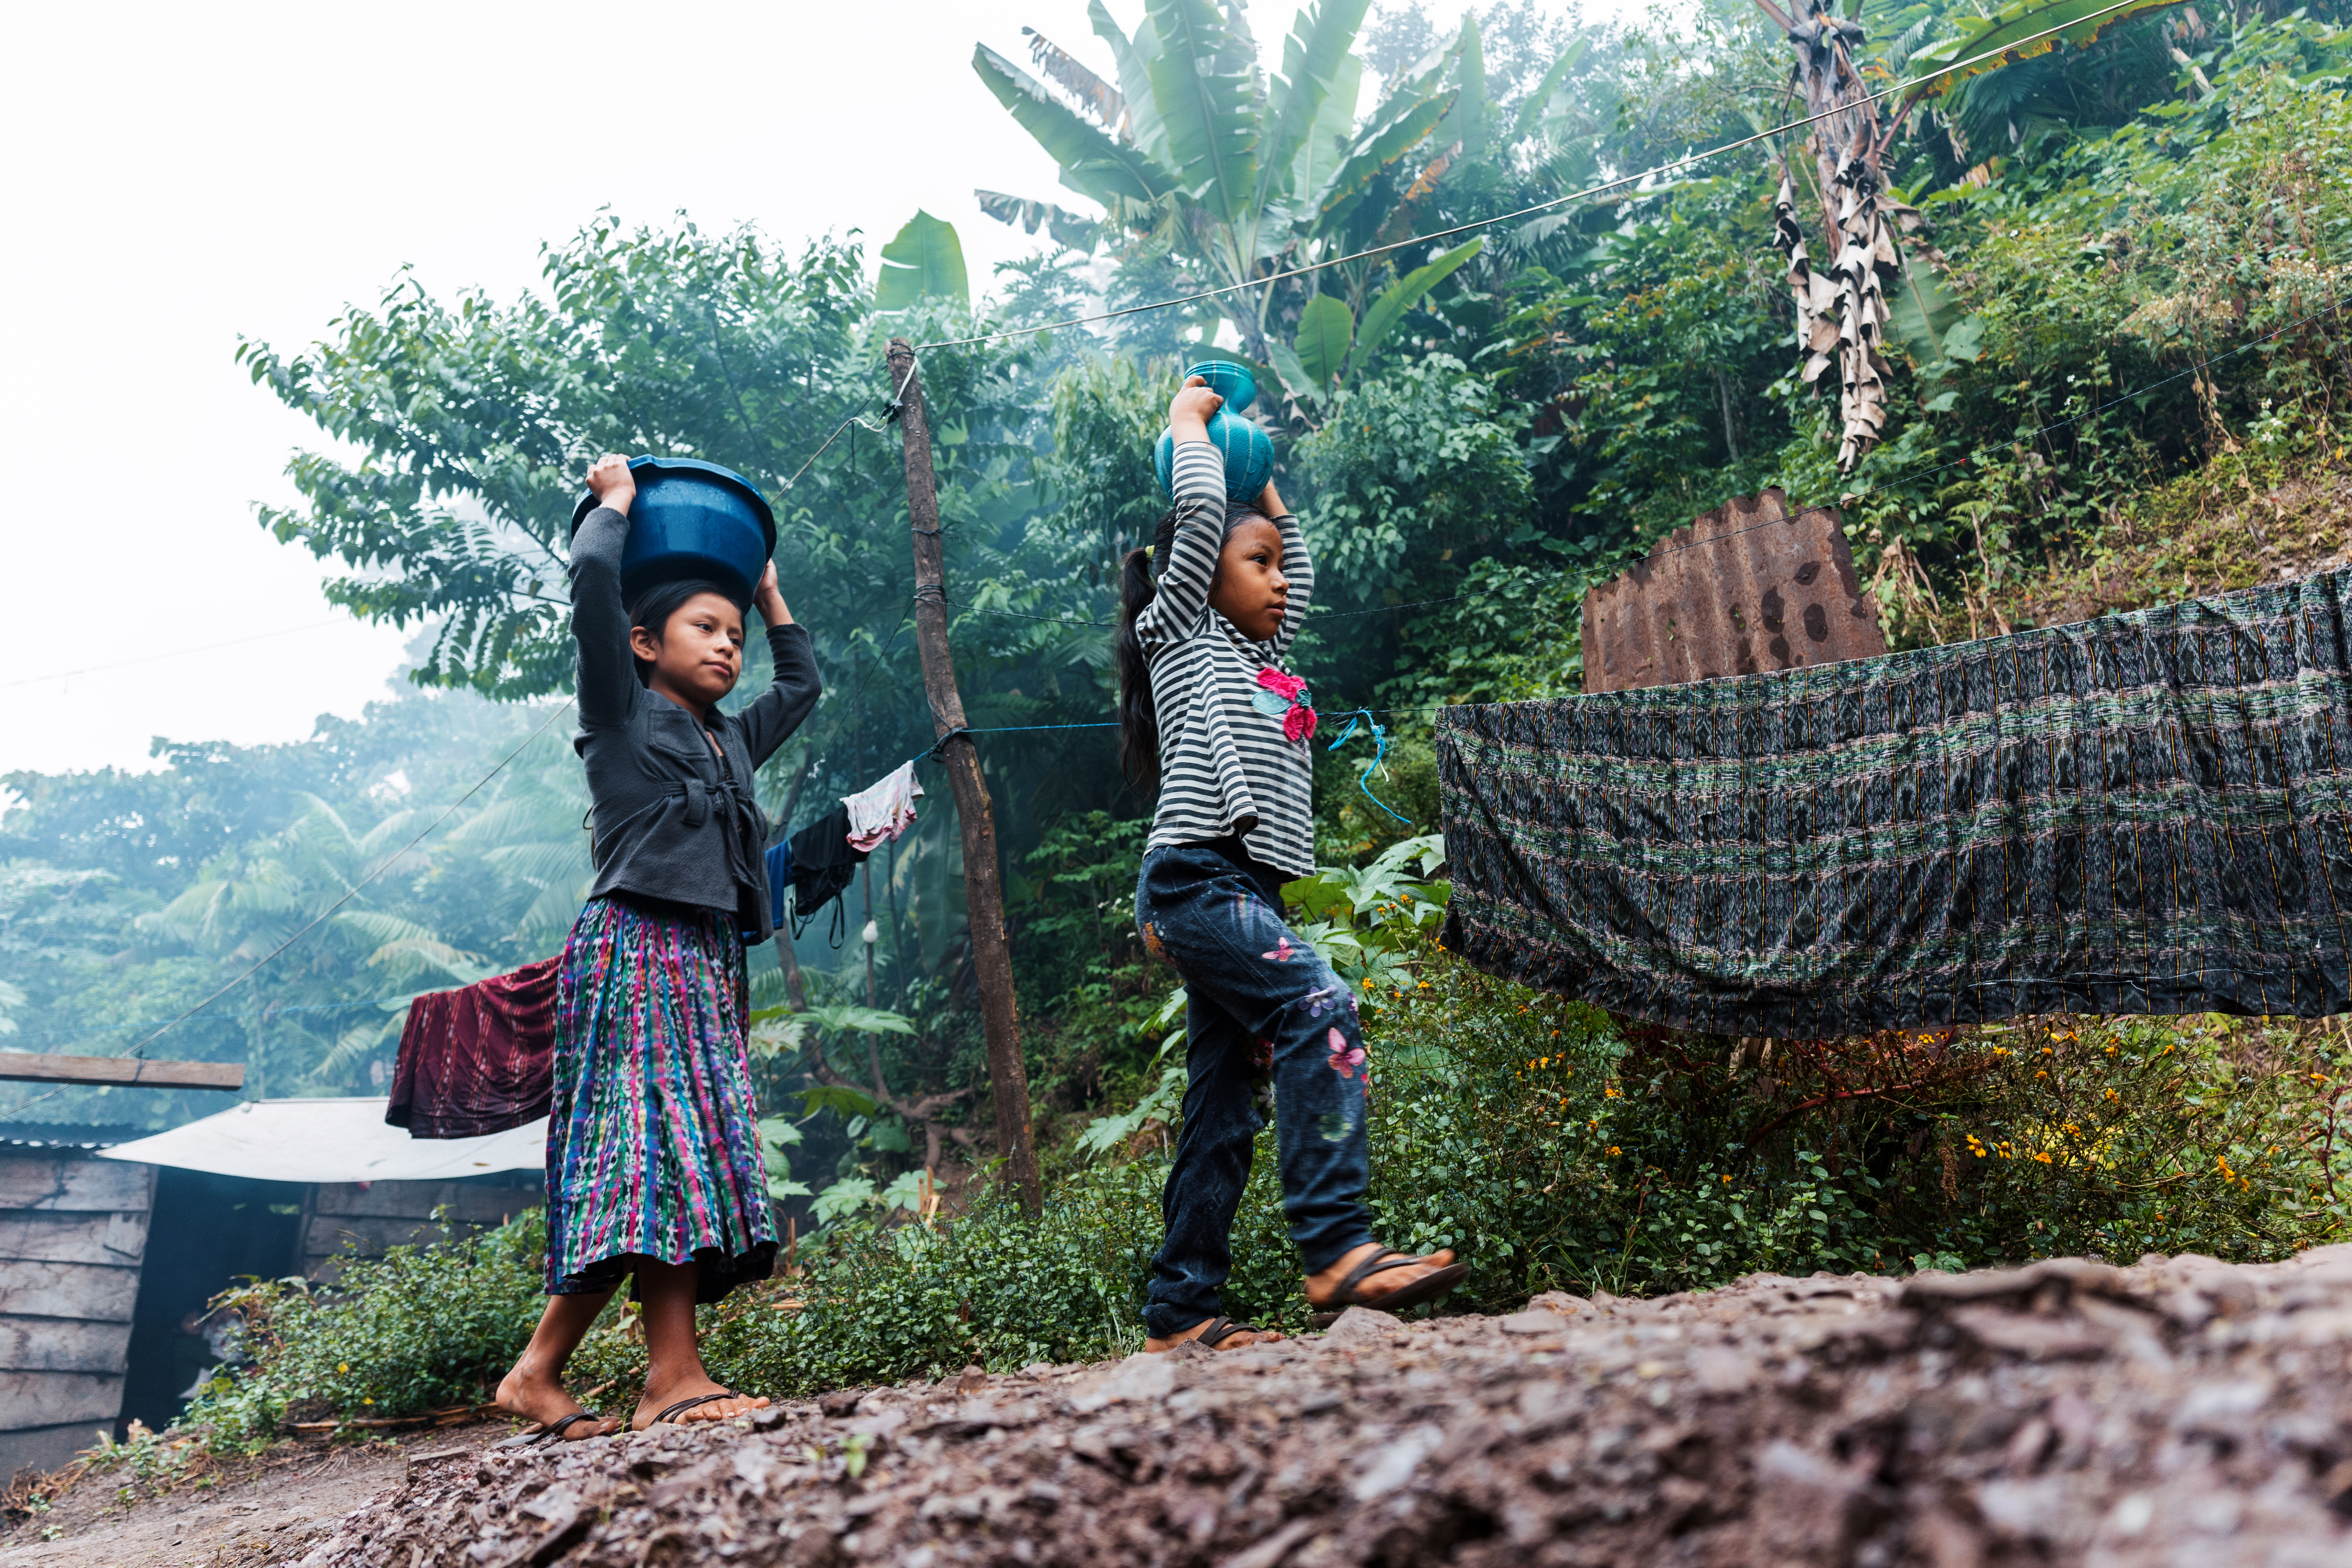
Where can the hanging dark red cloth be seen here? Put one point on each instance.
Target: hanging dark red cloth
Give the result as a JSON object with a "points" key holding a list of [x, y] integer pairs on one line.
{"points": [[479, 1059]]}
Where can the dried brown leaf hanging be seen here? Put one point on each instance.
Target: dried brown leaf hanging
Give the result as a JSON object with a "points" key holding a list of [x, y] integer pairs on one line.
{"points": [[1842, 310]]}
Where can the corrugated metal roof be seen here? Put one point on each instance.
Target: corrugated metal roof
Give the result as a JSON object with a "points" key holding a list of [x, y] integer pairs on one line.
{"points": [[330, 1140], [48, 1136]]}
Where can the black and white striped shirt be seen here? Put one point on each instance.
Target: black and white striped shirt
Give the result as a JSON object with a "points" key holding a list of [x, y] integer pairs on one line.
{"points": [[1225, 764]]}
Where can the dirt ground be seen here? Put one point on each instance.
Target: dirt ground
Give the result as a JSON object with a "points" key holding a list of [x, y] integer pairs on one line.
{"points": [[269, 1512], [2180, 1414]]}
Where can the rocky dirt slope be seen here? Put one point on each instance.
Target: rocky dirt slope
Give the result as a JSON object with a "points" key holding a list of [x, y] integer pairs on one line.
{"points": [[244, 1514], [2181, 1412]]}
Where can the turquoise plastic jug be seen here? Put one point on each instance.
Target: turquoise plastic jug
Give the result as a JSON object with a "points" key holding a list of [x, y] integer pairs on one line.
{"points": [[1248, 451]]}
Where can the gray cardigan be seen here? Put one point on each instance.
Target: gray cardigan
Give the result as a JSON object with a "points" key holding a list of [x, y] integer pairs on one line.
{"points": [[672, 822]]}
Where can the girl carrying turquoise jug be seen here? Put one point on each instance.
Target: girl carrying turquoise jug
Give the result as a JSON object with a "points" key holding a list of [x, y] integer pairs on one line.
{"points": [[1209, 715]]}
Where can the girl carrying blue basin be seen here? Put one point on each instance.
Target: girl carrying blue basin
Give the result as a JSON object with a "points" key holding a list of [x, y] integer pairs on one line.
{"points": [[652, 1155], [1207, 713]]}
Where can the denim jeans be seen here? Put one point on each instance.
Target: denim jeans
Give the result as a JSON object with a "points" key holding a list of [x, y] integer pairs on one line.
{"points": [[1216, 916]]}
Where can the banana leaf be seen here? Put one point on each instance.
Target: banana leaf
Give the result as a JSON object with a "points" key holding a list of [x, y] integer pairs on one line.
{"points": [[1315, 60], [1327, 329], [1921, 311], [1101, 99], [1133, 58], [1396, 128], [925, 261], [1067, 227], [1093, 163], [1532, 109], [1295, 381], [1202, 85], [1393, 302], [1325, 143], [1467, 122], [2020, 20]]}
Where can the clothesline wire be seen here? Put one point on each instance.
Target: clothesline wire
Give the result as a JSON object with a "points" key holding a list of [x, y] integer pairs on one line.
{"points": [[1590, 191], [2199, 366], [173, 653], [890, 412], [1311, 614], [387, 1003]]}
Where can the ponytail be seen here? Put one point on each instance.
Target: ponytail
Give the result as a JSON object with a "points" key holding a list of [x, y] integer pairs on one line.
{"points": [[1138, 722]]}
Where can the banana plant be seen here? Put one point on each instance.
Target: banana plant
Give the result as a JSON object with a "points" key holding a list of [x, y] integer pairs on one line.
{"points": [[2015, 30], [1330, 347], [1195, 152]]}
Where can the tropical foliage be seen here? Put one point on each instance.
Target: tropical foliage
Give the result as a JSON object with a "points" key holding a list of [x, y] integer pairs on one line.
{"points": [[2115, 369]]}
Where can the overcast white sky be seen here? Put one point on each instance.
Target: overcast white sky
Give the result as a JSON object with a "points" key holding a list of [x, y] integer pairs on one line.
{"points": [[179, 175]]}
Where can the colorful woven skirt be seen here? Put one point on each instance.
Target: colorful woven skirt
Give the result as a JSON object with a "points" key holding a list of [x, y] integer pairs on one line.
{"points": [[653, 1147]]}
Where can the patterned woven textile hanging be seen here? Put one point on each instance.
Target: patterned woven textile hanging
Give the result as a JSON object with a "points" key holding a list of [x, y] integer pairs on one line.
{"points": [[2143, 813]]}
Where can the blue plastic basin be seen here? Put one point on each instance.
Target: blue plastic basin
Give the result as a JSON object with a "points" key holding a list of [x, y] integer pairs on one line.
{"points": [[1249, 453], [692, 519]]}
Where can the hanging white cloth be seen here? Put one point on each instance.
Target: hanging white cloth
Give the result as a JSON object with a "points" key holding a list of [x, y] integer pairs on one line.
{"points": [[881, 812]]}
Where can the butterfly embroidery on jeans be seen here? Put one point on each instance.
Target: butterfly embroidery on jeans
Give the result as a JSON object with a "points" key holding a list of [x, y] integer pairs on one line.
{"points": [[1345, 1059]]}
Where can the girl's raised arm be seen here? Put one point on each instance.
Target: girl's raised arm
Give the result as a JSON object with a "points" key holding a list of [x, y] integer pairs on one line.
{"points": [[1198, 478], [607, 683], [1297, 564], [770, 721]]}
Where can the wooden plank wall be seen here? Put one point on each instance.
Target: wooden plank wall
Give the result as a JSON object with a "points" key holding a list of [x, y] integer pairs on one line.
{"points": [[72, 1232], [345, 1216]]}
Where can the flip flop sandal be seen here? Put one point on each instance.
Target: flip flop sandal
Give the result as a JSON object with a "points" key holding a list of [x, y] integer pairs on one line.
{"points": [[1219, 1330], [1428, 1287], [552, 1432], [685, 1404]]}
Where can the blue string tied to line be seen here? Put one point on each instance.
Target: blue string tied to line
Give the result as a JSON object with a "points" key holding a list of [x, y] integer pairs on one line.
{"points": [[1380, 752]]}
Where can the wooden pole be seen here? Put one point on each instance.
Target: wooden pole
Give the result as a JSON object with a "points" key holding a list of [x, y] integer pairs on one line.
{"points": [[30, 1069], [984, 897]]}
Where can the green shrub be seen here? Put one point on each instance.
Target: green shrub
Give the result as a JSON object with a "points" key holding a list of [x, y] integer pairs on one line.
{"points": [[1556, 1148], [1551, 1145], [875, 1303], [417, 1329]]}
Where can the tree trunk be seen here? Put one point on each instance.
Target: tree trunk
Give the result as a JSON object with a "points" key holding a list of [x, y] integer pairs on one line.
{"points": [[984, 897], [1842, 324]]}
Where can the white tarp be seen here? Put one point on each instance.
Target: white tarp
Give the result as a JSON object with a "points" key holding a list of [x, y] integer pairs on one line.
{"points": [[330, 1141]]}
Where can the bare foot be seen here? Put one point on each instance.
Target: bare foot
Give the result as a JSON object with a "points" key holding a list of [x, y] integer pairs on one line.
{"points": [[1322, 1288], [1239, 1340], [535, 1395], [660, 1396]]}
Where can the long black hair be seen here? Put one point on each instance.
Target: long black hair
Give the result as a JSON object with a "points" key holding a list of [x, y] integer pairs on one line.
{"points": [[656, 603], [1138, 722]]}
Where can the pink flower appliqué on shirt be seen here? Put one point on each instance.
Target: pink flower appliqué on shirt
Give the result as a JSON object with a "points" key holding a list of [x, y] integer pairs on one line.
{"points": [[1290, 698], [1286, 686]]}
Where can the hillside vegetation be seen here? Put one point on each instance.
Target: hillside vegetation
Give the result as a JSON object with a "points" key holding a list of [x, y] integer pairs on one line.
{"points": [[2115, 373]]}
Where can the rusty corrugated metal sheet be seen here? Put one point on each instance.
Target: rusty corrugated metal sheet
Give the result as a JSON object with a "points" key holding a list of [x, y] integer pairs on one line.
{"points": [[1777, 591]]}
